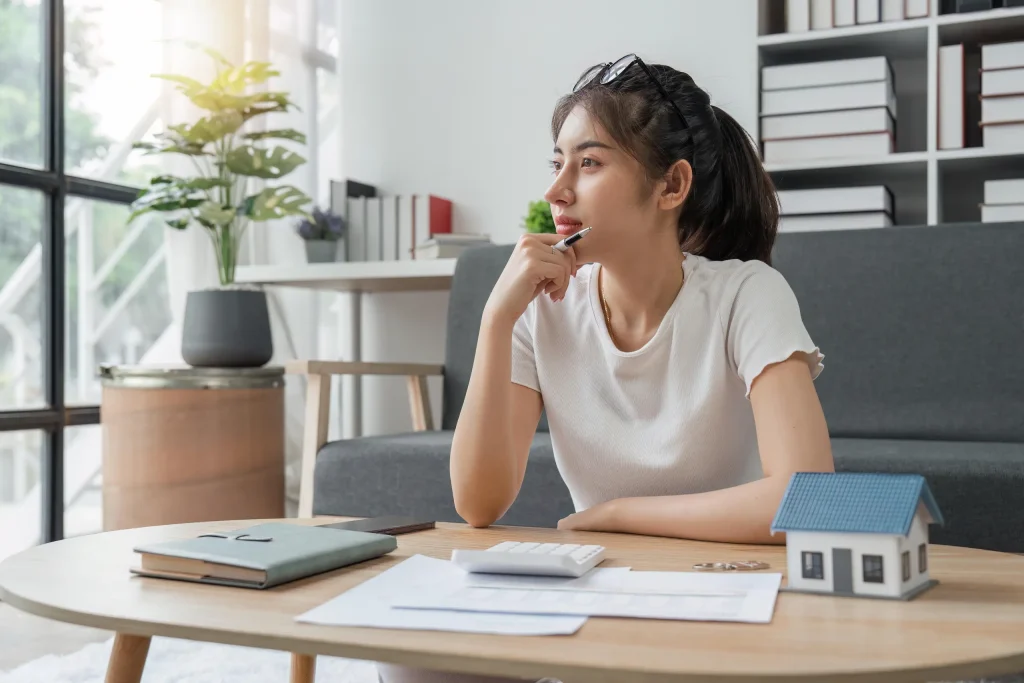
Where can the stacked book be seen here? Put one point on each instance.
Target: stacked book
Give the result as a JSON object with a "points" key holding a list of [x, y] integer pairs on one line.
{"points": [[828, 110], [835, 208], [1002, 95], [813, 15], [1004, 201], [449, 245]]}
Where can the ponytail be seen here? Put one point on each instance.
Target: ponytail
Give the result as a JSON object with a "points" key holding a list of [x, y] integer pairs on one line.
{"points": [[732, 211]]}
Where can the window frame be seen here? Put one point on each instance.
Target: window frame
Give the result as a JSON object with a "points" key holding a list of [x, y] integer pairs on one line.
{"points": [[817, 567], [870, 574], [905, 565], [922, 558]]}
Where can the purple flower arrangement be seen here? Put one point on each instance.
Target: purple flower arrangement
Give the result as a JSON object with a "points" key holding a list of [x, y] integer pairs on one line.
{"points": [[323, 225]]}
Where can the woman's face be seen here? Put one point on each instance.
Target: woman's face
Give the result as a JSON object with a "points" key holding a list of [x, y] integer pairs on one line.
{"points": [[597, 184]]}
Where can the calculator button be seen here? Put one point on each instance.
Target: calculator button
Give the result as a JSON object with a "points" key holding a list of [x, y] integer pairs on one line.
{"points": [[503, 547], [524, 547], [544, 549], [584, 552], [565, 549]]}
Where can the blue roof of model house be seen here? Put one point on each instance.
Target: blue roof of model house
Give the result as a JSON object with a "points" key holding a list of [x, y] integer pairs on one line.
{"points": [[854, 502]]}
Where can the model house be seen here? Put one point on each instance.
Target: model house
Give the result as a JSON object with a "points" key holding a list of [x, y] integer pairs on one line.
{"points": [[863, 534]]}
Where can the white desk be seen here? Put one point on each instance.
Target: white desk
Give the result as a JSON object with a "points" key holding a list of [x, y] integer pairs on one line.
{"points": [[355, 278]]}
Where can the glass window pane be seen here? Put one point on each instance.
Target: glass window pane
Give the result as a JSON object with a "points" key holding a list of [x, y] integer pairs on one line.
{"points": [[83, 494], [21, 508], [21, 82], [112, 49], [117, 299], [21, 357]]}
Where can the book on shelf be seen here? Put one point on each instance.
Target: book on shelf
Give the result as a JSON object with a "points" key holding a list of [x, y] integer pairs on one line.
{"points": [[798, 16], [1007, 109], [844, 13], [834, 147], [449, 246], [893, 10], [374, 230], [1003, 136], [829, 123], [419, 218], [823, 73], [837, 221], [1002, 56], [836, 200], [869, 11], [1010, 191], [829, 98], [821, 14], [951, 96], [355, 229], [1002, 82], [1002, 213], [915, 9]]}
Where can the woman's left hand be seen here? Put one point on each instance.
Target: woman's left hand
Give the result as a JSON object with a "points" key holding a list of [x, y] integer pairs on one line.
{"points": [[597, 518]]}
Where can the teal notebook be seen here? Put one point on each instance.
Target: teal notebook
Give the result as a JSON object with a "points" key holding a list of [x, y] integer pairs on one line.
{"points": [[260, 556]]}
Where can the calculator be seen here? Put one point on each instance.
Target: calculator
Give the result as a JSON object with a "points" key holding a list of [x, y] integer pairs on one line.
{"points": [[533, 559]]}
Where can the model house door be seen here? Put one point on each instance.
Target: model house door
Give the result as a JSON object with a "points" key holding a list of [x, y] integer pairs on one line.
{"points": [[842, 570]]}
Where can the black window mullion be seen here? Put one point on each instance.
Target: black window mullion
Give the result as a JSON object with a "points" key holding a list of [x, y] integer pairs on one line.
{"points": [[53, 276], [101, 191]]}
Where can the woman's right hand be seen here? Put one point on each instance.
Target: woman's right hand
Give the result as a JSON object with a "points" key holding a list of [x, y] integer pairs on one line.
{"points": [[533, 268]]}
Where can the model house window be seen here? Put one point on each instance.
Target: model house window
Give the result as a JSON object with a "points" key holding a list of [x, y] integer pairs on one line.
{"points": [[922, 558], [873, 569], [813, 567], [906, 565]]}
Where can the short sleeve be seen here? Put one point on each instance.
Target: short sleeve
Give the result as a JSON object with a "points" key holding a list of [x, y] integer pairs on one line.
{"points": [[524, 362], [763, 326]]}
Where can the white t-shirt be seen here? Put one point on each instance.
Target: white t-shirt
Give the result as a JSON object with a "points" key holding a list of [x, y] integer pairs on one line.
{"points": [[674, 416]]}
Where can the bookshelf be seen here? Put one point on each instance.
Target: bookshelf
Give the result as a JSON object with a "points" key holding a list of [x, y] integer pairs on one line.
{"points": [[918, 172]]}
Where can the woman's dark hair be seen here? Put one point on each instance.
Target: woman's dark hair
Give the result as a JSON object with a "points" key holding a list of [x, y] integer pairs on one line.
{"points": [[732, 210]]}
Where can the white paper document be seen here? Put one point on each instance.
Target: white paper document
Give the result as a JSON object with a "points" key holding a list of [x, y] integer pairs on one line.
{"points": [[370, 604], [690, 596]]}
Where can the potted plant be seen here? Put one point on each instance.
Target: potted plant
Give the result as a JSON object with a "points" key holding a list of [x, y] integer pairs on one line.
{"points": [[322, 231], [228, 326], [538, 217]]}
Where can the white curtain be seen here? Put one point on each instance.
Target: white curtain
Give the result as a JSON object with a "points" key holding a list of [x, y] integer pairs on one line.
{"points": [[300, 39]]}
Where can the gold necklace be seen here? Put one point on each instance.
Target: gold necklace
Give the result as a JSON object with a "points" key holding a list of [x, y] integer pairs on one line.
{"points": [[604, 302]]}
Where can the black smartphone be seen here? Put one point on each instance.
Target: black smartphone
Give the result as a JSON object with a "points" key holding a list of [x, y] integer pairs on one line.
{"points": [[392, 525]]}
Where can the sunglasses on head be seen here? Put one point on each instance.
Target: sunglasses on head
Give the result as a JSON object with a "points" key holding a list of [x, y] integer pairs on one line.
{"points": [[608, 72]]}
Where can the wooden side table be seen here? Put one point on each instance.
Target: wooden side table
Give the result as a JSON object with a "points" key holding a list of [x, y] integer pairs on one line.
{"points": [[192, 445]]}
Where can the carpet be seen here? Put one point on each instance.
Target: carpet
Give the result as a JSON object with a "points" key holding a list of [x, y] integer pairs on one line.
{"points": [[184, 661]]}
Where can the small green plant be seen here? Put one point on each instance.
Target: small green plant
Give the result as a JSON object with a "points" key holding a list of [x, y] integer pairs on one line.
{"points": [[538, 218]]}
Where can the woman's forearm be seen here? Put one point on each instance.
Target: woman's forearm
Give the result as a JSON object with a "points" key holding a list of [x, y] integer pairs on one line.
{"points": [[483, 467], [740, 514]]}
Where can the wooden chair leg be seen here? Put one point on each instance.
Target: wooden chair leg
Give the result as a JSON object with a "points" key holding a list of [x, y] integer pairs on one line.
{"points": [[419, 403], [303, 668], [128, 658], [318, 408]]}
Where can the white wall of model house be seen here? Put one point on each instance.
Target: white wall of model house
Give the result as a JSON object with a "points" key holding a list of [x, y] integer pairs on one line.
{"points": [[454, 97], [889, 547]]}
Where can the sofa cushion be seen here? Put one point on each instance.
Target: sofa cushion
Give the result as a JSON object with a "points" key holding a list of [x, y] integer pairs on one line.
{"points": [[978, 485], [920, 326], [407, 474], [476, 272]]}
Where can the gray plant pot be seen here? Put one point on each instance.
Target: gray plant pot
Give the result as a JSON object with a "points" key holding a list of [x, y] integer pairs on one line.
{"points": [[226, 328], [321, 251]]}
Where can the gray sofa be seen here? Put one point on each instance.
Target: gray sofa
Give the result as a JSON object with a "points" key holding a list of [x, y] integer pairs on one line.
{"points": [[923, 334]]}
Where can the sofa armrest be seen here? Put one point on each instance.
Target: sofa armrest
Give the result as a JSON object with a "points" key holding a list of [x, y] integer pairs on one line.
{"points": [[318, 403]]}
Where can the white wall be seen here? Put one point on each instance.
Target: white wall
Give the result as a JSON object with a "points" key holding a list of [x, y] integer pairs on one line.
{"points": [[859, 545], [454, 97]]}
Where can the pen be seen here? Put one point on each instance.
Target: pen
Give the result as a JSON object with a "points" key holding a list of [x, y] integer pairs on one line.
{"points": [[571, 240]]}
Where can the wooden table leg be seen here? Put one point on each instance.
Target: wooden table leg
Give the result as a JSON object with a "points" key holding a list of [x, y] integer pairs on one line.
{"points": [[303, 668], [127, 659]]}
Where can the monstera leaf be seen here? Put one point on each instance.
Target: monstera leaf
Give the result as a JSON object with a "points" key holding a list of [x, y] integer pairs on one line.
{"points": [[283, 134], [165, 197], [209, 128], [263, 163], [275, 202], [236, 79], [212, 213]]}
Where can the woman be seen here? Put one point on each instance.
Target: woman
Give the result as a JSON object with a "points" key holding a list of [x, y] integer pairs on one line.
{"points": [[671, 358]]}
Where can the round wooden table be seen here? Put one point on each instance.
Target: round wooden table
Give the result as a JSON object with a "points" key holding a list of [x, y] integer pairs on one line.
{"points": [[971, 625]]}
